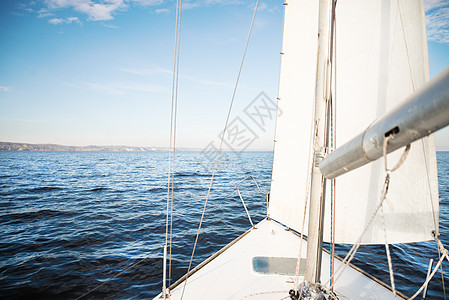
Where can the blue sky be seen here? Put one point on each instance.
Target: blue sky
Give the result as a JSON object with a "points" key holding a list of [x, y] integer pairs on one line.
{"points": [[81, 72]]}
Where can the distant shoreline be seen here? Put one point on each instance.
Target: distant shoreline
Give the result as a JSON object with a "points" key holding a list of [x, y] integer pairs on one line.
{"points": [[8, 146], [26, 147]]}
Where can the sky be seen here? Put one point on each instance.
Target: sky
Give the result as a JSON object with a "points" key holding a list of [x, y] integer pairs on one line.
{"points": [[92, 72]]}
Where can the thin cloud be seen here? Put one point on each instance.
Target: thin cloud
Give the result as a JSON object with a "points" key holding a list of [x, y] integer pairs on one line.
{"points": [[146, 2], [24, 120], [57, 21], [43, 13], [122, 89], [437, 20], [263, 6], [145, 72], [5, 89], [24, 7], [207, 81], [200, 3], [150, 72], [162, 11], [110, 26]]}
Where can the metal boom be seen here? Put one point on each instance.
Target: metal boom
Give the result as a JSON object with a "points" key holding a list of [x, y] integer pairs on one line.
{"points": [[423, 113]]}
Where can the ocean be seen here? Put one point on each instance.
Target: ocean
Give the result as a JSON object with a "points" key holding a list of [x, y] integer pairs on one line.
{"points": [[71, 221]]}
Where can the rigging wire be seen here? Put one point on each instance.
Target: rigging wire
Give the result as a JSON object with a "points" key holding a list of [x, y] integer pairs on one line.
{"points": [[172, 148], [179, 8], [422, 140], [433, 214], [220, 148], [333, 144], [174, 240]]}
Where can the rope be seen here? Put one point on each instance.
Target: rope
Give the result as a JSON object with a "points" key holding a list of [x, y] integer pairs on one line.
{"points": [[258, 187], [445, 255], [387, 250], [219, 149], [401, 159], [442, 274], [386, 185], [430, 259], [356, 245]]}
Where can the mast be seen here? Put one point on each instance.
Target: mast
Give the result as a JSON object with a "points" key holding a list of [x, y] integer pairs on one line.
{"points": [[321, 125]]}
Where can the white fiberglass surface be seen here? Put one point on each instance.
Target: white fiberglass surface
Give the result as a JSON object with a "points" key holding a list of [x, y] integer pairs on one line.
{"points": [[230, 275]]}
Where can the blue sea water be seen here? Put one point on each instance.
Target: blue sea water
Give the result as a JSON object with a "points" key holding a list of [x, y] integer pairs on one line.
{"points": [[70, 221]]}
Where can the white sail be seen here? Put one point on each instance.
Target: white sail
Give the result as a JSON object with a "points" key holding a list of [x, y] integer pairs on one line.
{"points": [[293, 128], [381, 58]]}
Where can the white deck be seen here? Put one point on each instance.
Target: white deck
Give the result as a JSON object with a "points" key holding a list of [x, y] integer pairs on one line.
{"points": [[230, 275]]}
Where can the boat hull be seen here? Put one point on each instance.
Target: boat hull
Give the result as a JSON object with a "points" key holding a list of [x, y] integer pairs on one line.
{"points": [[258, 264]]}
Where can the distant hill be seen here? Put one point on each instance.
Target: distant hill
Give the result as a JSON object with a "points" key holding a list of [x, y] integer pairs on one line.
{"points": [[7, 146]]}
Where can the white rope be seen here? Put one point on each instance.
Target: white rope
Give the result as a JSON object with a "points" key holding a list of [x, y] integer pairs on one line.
{"points": [[442, 275], [387, 250], [220, 148], [356, 245], [445, 255], [386, 185]]}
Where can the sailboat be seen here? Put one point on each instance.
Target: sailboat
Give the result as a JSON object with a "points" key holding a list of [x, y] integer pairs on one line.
{"points": [[355, 98]]}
